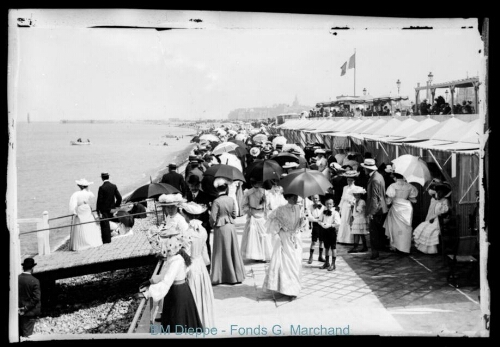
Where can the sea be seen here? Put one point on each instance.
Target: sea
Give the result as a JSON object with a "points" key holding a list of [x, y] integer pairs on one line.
{"points": [[48, 165]]}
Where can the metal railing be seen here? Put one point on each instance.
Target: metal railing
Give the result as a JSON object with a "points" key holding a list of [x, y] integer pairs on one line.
{"points": [[152, 307]]}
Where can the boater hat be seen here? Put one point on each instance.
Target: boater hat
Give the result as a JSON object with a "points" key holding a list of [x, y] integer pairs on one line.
{"points": [[172, 166], [105, 175], [369, 164]]}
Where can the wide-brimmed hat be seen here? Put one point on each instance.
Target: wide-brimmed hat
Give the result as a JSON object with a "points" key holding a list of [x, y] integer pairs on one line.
{"points": [[289, 165], [369, 163], [170, 199], [83, 182], [28, 263], [336, 166], [254, 151], [193, 208], [350, 174], [172, 166], [358, 190], [168, 231], [220, 181]]}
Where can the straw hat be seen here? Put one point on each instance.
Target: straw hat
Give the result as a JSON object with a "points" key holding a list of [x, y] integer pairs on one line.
{"points": [[193, 208], [336, 166], [350, 174], [219, 181], [170, 199], [369, 164], [289, 165], [83, 182]]}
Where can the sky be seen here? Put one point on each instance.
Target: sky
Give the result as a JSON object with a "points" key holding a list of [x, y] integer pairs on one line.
{"points": [[61, 68]]}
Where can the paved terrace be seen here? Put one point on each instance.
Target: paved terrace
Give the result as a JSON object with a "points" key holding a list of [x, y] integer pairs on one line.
{"points": [[391, 296]]}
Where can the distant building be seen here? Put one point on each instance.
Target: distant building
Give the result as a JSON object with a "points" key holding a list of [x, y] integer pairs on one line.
{"points": [[267, 112]]}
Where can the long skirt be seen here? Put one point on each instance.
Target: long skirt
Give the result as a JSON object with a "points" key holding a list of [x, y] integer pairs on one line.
{"points": [[201, 287], [256, 241], [398, 225], [179, 308], [426, 236], [344, 233], [227, 263], [84, 236], [283, 274]]}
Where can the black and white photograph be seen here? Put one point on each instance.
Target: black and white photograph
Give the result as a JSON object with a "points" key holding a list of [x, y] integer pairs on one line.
{"points": [[201, 174]]}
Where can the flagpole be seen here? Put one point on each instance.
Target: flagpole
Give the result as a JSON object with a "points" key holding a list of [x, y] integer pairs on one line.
{"points": [[354, 71]]}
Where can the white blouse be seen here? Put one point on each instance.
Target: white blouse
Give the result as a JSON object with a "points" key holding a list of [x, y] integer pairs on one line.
{"points": [[176, 271]]}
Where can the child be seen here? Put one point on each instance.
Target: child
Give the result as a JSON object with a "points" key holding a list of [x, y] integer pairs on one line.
{"points": [[359, 224], [314, 216], [330, 221]]}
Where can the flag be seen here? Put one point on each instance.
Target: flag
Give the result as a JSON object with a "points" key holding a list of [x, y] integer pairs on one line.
{"points": [[352, 61], [342, 73]]}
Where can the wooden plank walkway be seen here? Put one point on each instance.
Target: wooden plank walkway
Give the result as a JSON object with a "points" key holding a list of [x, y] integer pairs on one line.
{"points": [[123, 252]]}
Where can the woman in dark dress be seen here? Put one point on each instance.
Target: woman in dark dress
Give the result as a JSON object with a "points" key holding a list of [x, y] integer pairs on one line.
{"points": [[179, 307], [227, 263]]}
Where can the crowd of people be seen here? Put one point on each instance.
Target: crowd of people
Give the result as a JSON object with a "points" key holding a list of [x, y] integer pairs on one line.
{"points": [[366, 199]]}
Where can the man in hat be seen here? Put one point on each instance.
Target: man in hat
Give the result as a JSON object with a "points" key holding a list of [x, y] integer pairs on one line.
{"points": [[376, 207], [29, 299], [302, 161], [174, 178], [195, 194], [195, 168], [192, 161], [108, 198]]}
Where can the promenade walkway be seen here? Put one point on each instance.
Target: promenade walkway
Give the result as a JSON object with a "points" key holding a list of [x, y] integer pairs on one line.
{"points": [[391, 296]]}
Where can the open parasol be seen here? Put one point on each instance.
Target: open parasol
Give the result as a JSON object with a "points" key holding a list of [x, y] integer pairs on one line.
{"points": [[304, 183], [263, 170], [225, 147], [412, 168], [225, 171], [285, 157]]}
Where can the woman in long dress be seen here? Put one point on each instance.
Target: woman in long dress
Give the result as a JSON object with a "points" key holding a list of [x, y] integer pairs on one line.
{"points": [[426, 234], [198, 277], [283, 274], [399, 218], [179, 307], [274, 195], [256, 242], [227, 263], [346, 205], [88, 235]]}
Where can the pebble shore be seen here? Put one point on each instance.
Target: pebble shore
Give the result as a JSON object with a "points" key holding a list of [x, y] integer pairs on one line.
{"points": [[103, 303]]}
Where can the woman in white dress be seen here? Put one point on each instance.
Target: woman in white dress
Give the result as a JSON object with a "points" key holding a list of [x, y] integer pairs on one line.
{"points": [[399, 218], [198, 277], [346, 205], [256, 242], [426, 234], [283, 274], [88, 235], [274, 196]]}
